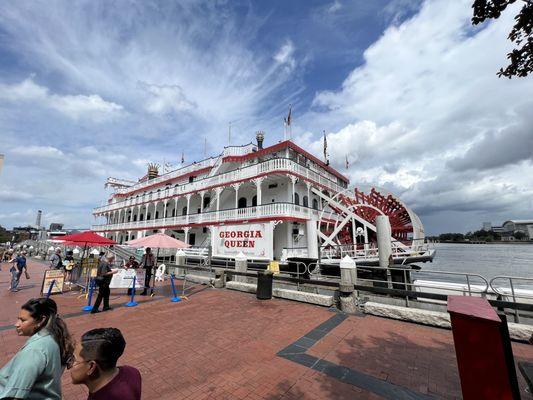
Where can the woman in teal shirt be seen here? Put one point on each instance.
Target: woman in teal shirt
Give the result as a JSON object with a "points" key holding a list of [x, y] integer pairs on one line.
{"points": [[35, 371]]}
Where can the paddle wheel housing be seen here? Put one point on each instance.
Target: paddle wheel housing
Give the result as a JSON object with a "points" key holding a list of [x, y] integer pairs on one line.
{"points": [[351, 214]]}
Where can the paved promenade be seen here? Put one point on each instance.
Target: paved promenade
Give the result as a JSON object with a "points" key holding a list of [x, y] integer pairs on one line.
{"points": [[222, 344]]}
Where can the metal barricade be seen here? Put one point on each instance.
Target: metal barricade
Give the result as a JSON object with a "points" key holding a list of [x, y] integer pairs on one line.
{"points": [[512, 292]]}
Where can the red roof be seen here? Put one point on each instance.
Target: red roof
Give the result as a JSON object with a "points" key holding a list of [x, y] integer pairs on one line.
{"points": [[281, 146]]}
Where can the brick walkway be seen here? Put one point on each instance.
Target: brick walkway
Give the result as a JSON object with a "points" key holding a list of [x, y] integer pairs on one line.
{"points": [[222, 344]]}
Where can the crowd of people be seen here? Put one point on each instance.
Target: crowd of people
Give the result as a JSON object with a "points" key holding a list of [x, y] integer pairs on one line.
{"points": [[105, 270], [35, 371]]}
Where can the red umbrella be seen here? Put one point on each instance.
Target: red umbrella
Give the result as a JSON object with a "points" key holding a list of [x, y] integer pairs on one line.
{"points": [[88, 238]]}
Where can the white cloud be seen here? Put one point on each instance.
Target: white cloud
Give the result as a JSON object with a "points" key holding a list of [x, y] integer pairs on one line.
{"points": [[427, 104], [285, 55], [38, 152], [73, 106], [164, 99], [336, 6], [14, 195]]}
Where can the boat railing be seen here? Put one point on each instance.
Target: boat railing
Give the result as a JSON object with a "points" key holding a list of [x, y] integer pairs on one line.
{"points": [[275, 164], [271, 210], [367, 251]]}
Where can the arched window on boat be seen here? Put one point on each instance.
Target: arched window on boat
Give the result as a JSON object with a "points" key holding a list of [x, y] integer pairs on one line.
{"points": [[156, 214], [305, 201], [315, 204], [207, 200], [254, 201], [141, 218], [242, 202], [148, 216], [184, 211], [296, 199]]}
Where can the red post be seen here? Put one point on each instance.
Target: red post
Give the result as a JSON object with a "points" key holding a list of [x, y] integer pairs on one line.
{"points": [[483, 350]]}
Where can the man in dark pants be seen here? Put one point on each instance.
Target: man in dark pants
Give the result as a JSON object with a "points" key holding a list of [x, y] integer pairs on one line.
{"points": [[103, 279], [147, 262]]}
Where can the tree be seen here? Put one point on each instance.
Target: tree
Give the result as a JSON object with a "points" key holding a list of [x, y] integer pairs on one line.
{"points": [[521, 58], [519, 235]]}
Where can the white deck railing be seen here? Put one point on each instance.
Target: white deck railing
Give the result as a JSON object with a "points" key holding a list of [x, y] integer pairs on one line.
{"points": [[270, 166], [173, 174], [271, 210]]}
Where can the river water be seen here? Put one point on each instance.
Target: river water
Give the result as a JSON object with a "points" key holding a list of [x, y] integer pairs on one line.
{"points": [[487, 260]]}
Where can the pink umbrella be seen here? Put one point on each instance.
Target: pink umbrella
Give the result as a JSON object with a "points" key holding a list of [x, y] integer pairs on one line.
{"points": [[158, 241]]}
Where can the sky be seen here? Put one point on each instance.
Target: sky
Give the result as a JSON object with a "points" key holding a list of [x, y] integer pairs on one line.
{"points": [[405, 89]]}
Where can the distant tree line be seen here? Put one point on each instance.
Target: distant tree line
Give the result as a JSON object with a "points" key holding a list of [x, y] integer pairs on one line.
{"points": [[481, 235]]}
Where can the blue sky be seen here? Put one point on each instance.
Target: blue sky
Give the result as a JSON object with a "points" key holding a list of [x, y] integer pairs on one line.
{"points": [[406, 89]]}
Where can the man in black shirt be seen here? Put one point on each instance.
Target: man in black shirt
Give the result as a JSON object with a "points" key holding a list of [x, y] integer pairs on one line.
{"points": [[103, 279], [147, 262]]}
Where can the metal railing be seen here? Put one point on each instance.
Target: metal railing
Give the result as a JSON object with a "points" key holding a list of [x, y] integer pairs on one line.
{"points": [[244, 173], [512, 292], [234, 214], [368, 251]]}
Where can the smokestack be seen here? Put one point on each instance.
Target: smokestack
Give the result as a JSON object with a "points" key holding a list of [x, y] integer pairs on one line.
{"points": [[38, 220], [153, 171], [260, 136]]}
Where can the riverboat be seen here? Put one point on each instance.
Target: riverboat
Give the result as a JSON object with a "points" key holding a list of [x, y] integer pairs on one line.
{"points": [[270, 203]]}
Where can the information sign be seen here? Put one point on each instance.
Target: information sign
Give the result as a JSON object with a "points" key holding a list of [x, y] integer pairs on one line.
{"points": [[123, 278], [51, 275]]}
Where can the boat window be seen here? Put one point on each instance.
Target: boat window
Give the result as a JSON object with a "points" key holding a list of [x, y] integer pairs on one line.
{"points": [[184, 211], [315, 204], [305, 201], [296, 199], [242, 202], [148, 216], [254, 201], [156, 214], [141, 217], [207, 200]]}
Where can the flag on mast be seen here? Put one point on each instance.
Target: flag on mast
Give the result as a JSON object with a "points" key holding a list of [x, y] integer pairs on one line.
{"points": [[325, 148], [287, 122], [182, 157], [347, 162]]}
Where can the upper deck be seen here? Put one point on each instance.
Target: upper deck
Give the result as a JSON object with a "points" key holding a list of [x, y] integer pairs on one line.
{"points": [[246, 162]]}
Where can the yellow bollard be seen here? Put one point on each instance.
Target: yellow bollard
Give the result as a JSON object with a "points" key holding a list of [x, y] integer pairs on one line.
{"points": [[274, 267]]}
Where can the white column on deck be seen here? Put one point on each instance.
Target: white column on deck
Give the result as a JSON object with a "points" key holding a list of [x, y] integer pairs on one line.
{"points": [[312, 238], [188, 206], [236, 186], [187, 235]]}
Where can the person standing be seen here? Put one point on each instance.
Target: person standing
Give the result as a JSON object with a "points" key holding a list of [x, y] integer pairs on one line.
{"points": [[34, 373], [18, 266], [132, 263], [95, 366], [103, 279], [56, 262], [147, 262]]}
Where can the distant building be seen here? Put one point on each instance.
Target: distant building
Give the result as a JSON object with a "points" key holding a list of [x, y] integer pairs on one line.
{"points": [[54, 226], [487, 226], [517, 230]]}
